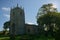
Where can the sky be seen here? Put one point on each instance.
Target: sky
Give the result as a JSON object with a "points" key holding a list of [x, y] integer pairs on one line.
{"points": [[31, 8]]}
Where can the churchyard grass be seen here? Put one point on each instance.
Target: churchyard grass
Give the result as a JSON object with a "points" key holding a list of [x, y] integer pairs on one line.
{"points": [[30, 37]]}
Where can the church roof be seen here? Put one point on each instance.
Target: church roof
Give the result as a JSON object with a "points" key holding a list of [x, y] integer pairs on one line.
{"points": [[17, 7], [31, 25]]}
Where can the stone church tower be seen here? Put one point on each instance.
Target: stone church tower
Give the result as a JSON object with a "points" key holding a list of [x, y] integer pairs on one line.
{"points": [[17, 19]]}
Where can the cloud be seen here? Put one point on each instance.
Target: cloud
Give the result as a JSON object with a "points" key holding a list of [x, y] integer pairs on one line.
{"points": [[6, 8], [7, 16]]}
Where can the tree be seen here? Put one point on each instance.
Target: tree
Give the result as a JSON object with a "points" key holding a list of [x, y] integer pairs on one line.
{"points": [[45, 9], [49, 16], [6, 26]]}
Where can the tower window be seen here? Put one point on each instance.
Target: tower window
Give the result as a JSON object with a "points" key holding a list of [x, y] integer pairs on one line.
{"points": [[20, 13]]}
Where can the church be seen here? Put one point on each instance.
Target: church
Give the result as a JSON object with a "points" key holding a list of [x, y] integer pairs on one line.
{"points": [[18, 25]]}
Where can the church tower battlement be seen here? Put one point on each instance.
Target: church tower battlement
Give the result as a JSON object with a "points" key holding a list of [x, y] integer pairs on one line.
{"points": [[17, 17]]}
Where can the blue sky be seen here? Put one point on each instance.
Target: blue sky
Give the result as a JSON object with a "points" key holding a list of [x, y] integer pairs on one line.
{"points": [[30, 7]]}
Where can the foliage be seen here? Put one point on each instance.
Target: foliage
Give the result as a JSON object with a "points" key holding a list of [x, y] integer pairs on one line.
{"points": [[52, 17], [46, 8], [6, 25], [49, 17]]}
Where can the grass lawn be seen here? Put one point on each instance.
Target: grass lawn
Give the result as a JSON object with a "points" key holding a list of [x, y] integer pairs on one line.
{"points": [[29, 37], [4, 38]]}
